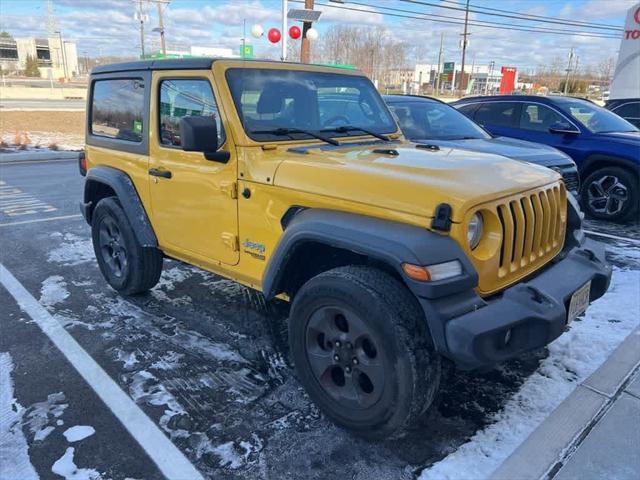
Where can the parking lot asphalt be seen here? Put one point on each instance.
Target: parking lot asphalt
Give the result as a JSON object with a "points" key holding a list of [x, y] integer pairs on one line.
{"points": [[204, 358]]}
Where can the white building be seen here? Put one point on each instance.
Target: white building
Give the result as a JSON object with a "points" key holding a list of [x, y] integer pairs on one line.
{"points": [[53, 61]]}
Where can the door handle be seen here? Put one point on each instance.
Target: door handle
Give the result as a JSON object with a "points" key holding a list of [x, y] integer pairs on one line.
{"points": [[160, 173]]}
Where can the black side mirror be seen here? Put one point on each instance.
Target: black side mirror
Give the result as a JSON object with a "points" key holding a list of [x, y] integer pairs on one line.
{"points": [[200, 134], [563, 128]]}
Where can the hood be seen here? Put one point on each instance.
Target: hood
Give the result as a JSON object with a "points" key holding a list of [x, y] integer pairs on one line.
{"points": [[626, 138], [415, 181], [510, 147]]}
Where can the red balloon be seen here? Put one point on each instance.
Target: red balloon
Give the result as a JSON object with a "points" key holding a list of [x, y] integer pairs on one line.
{"points": [[294, 32], [274, 35]]}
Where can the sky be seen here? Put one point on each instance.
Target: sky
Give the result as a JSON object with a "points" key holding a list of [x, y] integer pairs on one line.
{"points": [[108, 27]]}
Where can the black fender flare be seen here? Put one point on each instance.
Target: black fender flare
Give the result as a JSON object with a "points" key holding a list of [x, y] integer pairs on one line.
{"points": [[127, 194], [387, 241], [608, 160]]}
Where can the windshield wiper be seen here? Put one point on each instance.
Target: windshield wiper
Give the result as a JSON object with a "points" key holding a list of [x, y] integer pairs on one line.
{"points": [[288, 131], [353, 128]]}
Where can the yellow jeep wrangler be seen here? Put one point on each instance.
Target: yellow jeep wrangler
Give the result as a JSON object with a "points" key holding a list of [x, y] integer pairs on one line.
{"points": [[295, 180]]}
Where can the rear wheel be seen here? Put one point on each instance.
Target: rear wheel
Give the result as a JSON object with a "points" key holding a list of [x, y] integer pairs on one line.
{"points": [[611, 193], [127, 266], [362, 350]]}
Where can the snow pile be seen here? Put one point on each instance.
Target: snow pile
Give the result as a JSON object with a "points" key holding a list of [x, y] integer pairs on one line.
{"points": [[53, 291], [79, 432], [73, 250], [14, 454], [572, 358], [65, 467]]}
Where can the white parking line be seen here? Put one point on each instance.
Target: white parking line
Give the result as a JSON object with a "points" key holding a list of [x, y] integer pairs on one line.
{"points": [[168, 458], [614, 237], [36, 220]]}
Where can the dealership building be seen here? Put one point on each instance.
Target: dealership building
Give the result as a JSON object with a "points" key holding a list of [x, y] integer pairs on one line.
{"points": [[57, 58]]}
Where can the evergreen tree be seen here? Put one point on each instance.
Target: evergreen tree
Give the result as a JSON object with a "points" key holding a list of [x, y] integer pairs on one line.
{"points": [[31, 67]]}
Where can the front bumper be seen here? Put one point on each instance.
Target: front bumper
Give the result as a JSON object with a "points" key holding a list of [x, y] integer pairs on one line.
{"points": [[534, 310]]}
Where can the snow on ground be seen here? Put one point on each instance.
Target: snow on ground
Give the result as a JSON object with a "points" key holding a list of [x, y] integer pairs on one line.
{"points": [[14, 454], [73, 250], [572, 358], [65, 467], [41, 414], [54, 290], [78, 432]]}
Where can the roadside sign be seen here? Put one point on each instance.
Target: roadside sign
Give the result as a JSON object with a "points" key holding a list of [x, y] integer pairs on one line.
{"points": [[448, 67], [246, 51]]}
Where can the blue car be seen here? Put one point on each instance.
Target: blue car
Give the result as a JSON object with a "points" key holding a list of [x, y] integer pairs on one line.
{"points": [[430, 121], [605, 147]]}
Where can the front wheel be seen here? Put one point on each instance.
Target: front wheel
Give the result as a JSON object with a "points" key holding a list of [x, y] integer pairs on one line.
{"points": [[362, 350], [611, 193], [126, 265]]}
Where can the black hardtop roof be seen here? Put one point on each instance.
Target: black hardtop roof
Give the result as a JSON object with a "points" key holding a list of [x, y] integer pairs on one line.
{"points": [[405, 97], [195, 63]]}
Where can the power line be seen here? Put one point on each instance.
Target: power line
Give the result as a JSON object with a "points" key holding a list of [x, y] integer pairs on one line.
{"points": [[485, 24], [544, 17], [517, 17]]}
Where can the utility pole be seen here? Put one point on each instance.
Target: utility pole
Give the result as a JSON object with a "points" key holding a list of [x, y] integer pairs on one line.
{"points": [[305, 49], [489, 77], [163, 46], [574, 76], [439, 64], [462, 83], [141, 19], [566, 79], [285, 11]]}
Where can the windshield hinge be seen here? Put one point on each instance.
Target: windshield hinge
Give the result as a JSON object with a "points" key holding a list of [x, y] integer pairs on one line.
{"points": [[230, 189]]}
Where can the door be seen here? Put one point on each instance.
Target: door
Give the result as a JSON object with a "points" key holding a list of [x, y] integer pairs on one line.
{"points": [[194, 200], [499, 118], [535, 120]]}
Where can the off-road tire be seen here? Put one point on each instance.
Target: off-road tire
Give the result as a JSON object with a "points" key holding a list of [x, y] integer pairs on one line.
{"points": [[141, 266], [398, 329], [627, 179]]}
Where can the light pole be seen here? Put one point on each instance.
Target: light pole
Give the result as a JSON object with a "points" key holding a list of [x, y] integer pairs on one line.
{"points": [[64, 55], [285, 10]]}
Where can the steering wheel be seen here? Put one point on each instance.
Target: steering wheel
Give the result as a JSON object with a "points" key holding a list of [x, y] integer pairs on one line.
{"points": [[336, 118]]}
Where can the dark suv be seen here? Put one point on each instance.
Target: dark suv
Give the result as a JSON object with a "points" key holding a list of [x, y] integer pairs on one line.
{"points": [[605, 147], [627, 108]]}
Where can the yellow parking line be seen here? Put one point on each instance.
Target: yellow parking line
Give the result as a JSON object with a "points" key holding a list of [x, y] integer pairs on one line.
{"points": [[36, 220]]}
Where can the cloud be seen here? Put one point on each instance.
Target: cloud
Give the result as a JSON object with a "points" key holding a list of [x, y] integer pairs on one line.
{"points": [[352, 15]]}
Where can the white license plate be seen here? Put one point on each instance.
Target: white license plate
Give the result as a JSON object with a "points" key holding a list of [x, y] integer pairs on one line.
{"points": [[579, 302]]}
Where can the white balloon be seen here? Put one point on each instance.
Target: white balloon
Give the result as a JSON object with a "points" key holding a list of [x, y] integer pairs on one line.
{"points": [[257, 31], [312, 34]]}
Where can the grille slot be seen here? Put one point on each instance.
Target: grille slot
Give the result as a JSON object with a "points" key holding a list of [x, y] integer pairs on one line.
{"points": [[533, 226]]}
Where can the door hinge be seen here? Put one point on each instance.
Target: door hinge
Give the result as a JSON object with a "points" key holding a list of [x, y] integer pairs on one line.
{"points": [[231, 241], [229, 188]]}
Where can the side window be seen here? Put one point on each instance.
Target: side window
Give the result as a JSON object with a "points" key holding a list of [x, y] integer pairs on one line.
{"points": [[628, 110], [499, 114], [117, 109], [468, 110], [182, 98], [538, 117]]}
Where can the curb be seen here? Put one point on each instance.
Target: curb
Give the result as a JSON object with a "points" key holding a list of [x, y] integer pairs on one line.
{"points": [[542, 454], [30, 156]]}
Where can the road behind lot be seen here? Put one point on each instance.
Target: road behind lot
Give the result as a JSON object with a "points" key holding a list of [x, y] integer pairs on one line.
{"points": [[204, 358]]}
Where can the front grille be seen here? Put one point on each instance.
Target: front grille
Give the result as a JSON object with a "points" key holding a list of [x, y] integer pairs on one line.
{"points": [[571, 180], [533, 227]]}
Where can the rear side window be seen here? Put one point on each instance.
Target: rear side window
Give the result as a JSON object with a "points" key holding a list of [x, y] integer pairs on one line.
{"points": [[500, 114], [183, 98], [629, 110], [117, 109]]}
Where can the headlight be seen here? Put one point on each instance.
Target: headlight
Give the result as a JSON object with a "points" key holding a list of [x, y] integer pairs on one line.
{"points": [[474, 230]]}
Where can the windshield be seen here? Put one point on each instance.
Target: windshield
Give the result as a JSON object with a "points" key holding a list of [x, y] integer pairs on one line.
{"points": [[270, 100], [595, 118], [426, 120]]}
